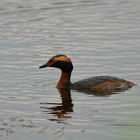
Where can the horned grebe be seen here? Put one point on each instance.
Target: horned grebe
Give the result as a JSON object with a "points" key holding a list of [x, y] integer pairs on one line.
{"points": [[97, 84]]}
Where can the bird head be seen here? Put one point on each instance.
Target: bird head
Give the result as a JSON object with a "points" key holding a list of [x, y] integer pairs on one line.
{"points": [[59, 61]]}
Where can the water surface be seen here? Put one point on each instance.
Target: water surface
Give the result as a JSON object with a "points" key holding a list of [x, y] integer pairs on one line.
{"points": [[101, 37]]}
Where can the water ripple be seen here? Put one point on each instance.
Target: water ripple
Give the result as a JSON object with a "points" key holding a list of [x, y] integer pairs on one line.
{"points": [[101, 37]]}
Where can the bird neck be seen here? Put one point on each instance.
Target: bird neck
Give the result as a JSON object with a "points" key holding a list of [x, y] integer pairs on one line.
{"points": [[64, 80]]}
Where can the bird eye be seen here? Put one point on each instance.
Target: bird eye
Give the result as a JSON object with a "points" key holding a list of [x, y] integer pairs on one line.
{"points": [[51, 62]]}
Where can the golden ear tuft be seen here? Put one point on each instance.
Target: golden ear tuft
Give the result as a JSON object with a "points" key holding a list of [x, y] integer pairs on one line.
{"points": [[62, 58]]}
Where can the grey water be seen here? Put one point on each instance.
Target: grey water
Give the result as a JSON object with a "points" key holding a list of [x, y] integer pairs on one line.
{"points": [[101, 38]]}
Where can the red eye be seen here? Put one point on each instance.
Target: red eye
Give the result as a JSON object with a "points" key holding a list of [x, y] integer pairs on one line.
{"points": [[51, 62]]}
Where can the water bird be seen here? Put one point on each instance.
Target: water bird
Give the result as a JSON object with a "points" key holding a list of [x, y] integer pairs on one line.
{"points": [[97, 84]]}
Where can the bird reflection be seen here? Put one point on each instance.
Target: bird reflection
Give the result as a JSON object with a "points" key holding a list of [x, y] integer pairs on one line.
{"points": [[61, 111]]}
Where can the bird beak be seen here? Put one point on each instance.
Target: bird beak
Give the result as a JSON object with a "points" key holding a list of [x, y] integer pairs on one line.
{"points": [[43, 66]]}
